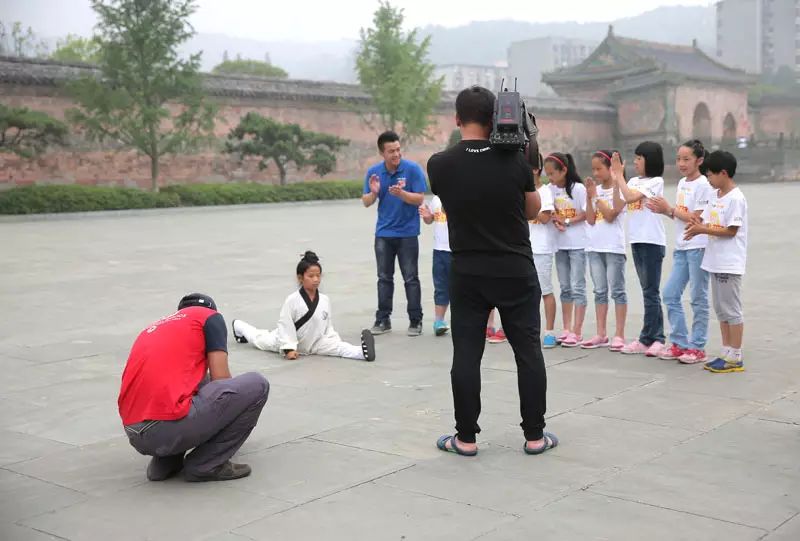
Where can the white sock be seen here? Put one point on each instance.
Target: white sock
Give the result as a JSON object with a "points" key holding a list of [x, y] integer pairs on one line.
{"points": [[726, 352], [735, 355]]}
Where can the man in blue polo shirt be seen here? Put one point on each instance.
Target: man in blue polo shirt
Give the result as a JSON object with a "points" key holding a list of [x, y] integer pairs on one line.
{"points": [[399, 187]]}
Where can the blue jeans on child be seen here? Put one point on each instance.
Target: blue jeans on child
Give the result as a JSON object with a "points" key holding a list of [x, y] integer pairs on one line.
{"points": [[648, 259], [571, 269], [686, 271], [608, 273], [406, 251], [441, 277]]}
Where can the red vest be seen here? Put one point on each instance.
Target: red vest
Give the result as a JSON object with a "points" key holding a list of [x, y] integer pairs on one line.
{"points": [[165, 367]]}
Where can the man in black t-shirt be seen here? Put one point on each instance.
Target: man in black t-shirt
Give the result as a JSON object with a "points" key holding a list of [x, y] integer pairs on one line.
{"points": [[489, 196]]}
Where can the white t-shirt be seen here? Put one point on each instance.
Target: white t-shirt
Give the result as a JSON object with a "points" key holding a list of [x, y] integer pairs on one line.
{"points": [[575, 237], [608, 237], [441, 236], [644, 225], [543, 236], [692, 196], [726, 255]]}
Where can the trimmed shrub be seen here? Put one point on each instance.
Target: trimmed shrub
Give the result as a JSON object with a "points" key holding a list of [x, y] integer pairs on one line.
{"points": [[77, 198]]}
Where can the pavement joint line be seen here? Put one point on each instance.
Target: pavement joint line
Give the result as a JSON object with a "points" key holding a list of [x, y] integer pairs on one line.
{"points": [[782, 524], [45, 532], [349, 446], [594, 491], [449, 500], [790, 423], [323, 496], [44, 481]]}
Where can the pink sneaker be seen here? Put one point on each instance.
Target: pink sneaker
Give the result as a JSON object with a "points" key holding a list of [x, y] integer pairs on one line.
{"points": [[596, 342], [634, 348], [617, 343], [693, 356], [571, 341], [655, 349], [672, 353], [561, 337]]}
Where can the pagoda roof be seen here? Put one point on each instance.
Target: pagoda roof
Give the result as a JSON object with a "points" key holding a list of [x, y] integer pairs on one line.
{"points": [[621, 58]]}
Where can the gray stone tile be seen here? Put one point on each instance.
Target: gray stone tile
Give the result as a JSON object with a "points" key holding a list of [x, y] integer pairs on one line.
{"points": [[593, 381], [376, 512], [751, 440], [68, 373], [584, 516], [757, 383], [789, 531], [95, 469], [654, 404], [158, 512], [73, 424], [498, 478], [18, 447], [304, 470], [755, 495], [14, 532], [22, 497], [786, 410]]}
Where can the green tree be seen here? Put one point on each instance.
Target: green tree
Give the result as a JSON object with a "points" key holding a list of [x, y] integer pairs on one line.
{"points": [[393, 68], [455, 138], [146, 97], [248, 67], [28, 133], [283, 144], [21, 42], [77, 49]]}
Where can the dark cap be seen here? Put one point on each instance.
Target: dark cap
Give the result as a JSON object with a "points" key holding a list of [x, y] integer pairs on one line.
{"points": [[197, 299]]}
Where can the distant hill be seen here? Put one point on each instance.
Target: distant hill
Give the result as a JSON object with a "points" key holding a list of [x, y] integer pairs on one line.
{"points": [[334, 60]]}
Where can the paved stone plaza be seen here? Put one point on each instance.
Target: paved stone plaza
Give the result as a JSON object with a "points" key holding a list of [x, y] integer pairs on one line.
{"points": [[650, 450]]}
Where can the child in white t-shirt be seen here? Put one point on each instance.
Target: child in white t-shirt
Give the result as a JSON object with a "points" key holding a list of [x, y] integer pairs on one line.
{"points": [[434, 213], [692, 197], [648, 242], [543, 244], [725, 222], [569, 196], [606, 250]]}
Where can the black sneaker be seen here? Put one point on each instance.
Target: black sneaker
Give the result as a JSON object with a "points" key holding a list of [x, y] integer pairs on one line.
{"points": [[238, 337], [381, 327], [368, 345], [227, 472], [415, 328]]}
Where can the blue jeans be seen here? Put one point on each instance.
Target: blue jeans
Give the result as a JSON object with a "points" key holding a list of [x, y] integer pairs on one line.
{"points": [[686, 271], [608, 272], [406, 251], [571, 269], [441, 277], [648, 259]]}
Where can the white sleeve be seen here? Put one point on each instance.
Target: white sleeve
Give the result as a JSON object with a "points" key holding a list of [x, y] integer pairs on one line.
{"points": [[735, 213], [579, 196], [287, 334], [649, 188], [546, 195]]}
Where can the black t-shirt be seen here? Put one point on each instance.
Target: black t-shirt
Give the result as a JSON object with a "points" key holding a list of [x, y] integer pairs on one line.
{"points": [[216, 333], [483, 194]]}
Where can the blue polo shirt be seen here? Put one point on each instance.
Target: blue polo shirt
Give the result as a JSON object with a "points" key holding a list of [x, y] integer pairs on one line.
{"points": [[396, 218]]}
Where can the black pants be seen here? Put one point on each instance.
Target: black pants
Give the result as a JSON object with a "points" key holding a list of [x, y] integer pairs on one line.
{"points": [[517, 300]]}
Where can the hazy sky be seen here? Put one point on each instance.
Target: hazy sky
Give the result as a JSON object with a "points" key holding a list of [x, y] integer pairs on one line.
{"points": [[315, 20]]}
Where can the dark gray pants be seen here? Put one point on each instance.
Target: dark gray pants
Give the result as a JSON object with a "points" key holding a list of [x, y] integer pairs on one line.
{"points": [[223, 414]]}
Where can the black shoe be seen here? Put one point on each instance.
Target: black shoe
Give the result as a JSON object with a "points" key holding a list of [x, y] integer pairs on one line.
{"points": [[415, 328], [368, 345], [238, 337], [227, 472], [381, 327]]}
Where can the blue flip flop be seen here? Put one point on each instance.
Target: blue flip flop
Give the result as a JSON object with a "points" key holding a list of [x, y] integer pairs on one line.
{"points": [[441, 443], [550, 441]]}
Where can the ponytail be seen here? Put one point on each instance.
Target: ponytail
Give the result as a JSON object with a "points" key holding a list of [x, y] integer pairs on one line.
{"points": [[565, 162], [699, 151]]}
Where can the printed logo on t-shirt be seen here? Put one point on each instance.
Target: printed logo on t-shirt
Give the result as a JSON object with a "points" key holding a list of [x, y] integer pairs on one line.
{"points": [[598, 216], [714, 221], [636, 205], [440, 217], [173, 317], [564, 207]]}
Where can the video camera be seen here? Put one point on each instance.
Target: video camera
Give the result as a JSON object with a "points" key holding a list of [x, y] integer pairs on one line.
{"points": [[514, 128]]}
